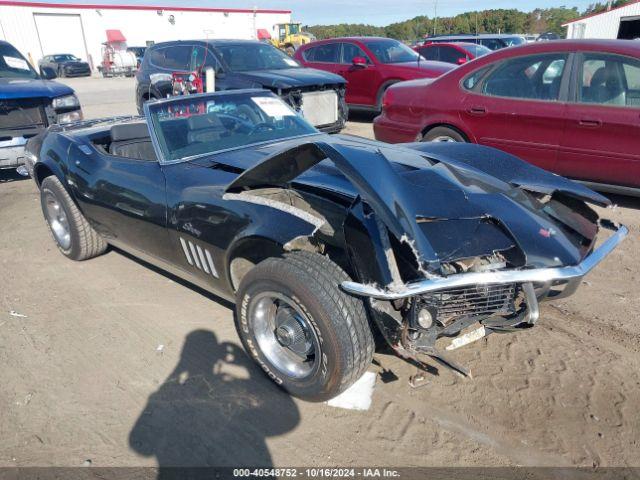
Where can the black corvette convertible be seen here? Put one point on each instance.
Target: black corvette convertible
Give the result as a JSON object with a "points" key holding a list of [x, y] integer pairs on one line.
{"points": [[321, 241]]}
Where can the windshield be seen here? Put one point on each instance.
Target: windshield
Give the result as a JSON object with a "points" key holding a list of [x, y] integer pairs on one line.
{"points": [[255, 56], [66, 58], [476, 50], [13, 65], [391, 51], [513, 41], [203, 124]]}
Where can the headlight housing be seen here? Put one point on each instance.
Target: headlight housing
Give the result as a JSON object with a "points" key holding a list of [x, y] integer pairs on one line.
{"points": [[69, 117], [67, 102]]}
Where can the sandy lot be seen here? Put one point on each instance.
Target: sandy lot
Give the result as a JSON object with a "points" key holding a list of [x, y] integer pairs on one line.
{"points": [[114, 362]]}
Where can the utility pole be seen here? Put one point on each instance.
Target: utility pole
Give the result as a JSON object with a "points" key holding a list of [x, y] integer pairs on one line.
{"points": [[435, 17]]}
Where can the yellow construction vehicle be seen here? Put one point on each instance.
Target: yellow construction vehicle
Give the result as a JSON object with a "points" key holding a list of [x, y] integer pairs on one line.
{"points": [[290, 36]]}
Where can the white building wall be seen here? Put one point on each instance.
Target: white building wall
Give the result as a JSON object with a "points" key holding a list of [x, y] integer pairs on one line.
{"points": [[18, 26], [604, 25]]}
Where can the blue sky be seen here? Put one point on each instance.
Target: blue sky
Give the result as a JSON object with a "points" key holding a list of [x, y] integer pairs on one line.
{"points": [[374, 12]]}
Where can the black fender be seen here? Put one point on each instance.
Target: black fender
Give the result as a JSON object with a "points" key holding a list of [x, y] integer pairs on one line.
{"points": [[274, 232], [52, 159]]}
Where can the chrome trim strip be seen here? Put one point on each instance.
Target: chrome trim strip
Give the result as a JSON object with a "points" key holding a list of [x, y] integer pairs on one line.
{"points": [[537, 275], [186, 251], [194, 254], [214, 272], [203, 261]]}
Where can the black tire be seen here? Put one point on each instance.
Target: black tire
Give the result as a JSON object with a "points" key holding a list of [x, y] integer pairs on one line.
{"points": [[84, 241], [439, 134], [338, 321], [380, 95]]}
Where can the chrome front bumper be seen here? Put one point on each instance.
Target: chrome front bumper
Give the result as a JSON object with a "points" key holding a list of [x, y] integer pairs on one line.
{"points": [[537, 275], [12, 152]]}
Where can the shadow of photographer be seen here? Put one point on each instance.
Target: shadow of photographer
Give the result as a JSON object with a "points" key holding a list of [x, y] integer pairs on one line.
{"points": [[216, 409]]}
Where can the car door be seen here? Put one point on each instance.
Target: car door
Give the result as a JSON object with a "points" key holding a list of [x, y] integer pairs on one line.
{"points": [[166, 61], [452, 55], [325, 57], [603, 122], [430, 52], [125, 198], [362, 80], [519, 107]]}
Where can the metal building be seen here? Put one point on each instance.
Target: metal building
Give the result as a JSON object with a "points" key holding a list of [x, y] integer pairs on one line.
{"points": [[38, 28], [621, 22]]}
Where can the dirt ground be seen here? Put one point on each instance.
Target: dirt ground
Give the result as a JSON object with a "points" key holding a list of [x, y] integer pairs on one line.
{"points": [[113, 362]]}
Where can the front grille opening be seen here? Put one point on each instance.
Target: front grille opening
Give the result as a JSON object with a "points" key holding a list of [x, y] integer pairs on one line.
{"points": [[22, 113], [475, 301]]}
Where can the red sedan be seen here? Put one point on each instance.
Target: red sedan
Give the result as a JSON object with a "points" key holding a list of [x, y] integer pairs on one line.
{"points": [[572, 107], [369, 64], [457, 53]]}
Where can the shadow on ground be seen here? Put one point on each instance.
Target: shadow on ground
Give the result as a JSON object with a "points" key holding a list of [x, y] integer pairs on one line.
{"points": [[217, 408], [624, 200], [10, 175], [362, 116]]}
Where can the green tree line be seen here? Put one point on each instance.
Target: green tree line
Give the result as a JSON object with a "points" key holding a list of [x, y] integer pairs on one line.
{"points": [[485, 21]]}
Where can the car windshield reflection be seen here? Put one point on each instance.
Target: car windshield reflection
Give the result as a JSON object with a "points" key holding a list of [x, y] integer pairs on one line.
{"points": [[197, 125]]}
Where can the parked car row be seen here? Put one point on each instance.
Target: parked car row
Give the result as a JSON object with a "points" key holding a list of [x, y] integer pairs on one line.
{"points": [[369, 65], [241, 64], [457, 53], [29, 103], [570, 107]]}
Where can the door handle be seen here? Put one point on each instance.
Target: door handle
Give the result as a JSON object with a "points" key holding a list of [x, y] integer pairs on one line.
{"points": [[479, 111], [590, 123]]}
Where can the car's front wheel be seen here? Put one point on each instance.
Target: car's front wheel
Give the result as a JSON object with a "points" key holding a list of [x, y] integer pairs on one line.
{"points": [[75, 238], [309, 337], [443, 134]]}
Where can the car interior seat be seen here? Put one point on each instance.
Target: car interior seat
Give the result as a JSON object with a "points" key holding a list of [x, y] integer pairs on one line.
{"points": [[132, 140], [205, 128], [606, 87], [511, 83]]}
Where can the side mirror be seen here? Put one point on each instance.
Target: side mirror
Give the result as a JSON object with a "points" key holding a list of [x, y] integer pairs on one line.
{"points": [[48, 73], [462, 60], [220, 73], [359, 62]]}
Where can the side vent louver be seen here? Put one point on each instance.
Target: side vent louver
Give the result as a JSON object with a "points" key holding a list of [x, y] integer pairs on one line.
{"points": [[198, 257]]}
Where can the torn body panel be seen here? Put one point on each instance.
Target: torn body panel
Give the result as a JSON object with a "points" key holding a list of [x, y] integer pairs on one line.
{"points": [[440, 244], [409, 196]]}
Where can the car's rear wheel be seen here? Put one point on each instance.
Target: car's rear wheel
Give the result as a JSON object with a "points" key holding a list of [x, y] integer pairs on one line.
{"points": [[75, 238], [309, 336], [443, 134]]}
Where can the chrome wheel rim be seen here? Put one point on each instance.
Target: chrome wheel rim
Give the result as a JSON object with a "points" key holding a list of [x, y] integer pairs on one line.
{"points": [[444, 138], [57, 218], [285, 334]]}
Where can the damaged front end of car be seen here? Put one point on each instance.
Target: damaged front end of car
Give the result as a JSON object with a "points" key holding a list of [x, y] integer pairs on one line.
{"points": [[444, 246]]}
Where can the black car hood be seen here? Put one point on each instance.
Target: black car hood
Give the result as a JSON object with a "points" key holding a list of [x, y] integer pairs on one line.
{"points": [[292, 77], [417, 190]]}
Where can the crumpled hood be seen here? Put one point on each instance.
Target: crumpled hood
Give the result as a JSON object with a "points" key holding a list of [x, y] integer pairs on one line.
{"points": [[11, 88], [292, 77], [447, 204]]}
